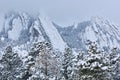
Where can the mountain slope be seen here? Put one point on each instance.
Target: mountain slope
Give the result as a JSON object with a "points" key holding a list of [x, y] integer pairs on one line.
{"points": [[97, 29], [51, 31], [20, 28]]}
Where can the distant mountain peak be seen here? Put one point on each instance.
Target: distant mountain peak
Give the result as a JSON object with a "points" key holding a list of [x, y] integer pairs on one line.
{"points": [[98, 30], [20, 28], [99, 20]]}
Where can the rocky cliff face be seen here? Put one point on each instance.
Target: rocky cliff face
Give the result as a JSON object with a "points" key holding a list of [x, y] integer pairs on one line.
{"points": [[19, 28], [98, 30]]}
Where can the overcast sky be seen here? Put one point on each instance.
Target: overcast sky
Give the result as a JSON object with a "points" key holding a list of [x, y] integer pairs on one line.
{"points": [[66, 12]]}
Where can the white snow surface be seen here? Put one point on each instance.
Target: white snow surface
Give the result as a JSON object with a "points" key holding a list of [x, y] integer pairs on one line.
{"points": [[1, 21], [52, 32], [21, 52], [99, 30], [15, 32], [102, 32], [2, 39]]}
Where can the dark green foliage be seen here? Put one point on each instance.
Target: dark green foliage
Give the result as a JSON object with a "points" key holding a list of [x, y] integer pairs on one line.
{"points": [[67, 64], [11, 65], [43, 63], [95, 65]]}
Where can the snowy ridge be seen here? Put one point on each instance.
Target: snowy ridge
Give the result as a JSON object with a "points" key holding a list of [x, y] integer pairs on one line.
{"points": [[16, 29], [53, 34], [98, 30], [21, 28]]}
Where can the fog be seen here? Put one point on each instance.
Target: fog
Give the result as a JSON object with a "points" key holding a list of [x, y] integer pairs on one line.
{"points": [[66, 12]]}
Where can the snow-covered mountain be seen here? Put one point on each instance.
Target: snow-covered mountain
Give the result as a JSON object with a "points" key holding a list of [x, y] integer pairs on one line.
{"points": [[98, 30], [19, 28]]}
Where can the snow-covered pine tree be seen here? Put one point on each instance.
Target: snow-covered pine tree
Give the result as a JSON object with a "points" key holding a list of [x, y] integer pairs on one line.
{"points": [[29, 62], [59, 59], [68, 64], [114, 63], [42, 64], [95, 65], [26, 68], [77, 61], [117, 70], [11, 63]]}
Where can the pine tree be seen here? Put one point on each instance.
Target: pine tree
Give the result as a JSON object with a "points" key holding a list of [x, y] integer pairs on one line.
{"points": [[41, 63], [11, 63], [68, 64], [29, 67], [58, 64], [95, 65], [77, 60], [117, 75], [26, 69], [114, 63]]}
